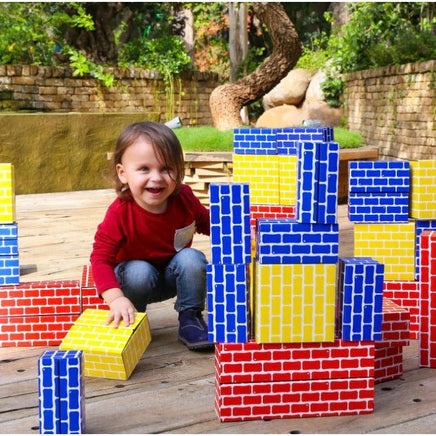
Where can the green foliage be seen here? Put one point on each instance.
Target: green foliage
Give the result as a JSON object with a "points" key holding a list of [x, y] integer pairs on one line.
{"points": [[203, 139], [23, 36], [380, 34]]}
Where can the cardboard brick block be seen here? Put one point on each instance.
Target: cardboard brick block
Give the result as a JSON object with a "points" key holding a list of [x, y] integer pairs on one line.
{"points": [[230, 223], [109, 352], [88, 291], [378, 207], [390, 244], [427, 332], [7, 193], [228, 305], [269, 211], [378, 176], [34, 331], [407, 295], [388, 363], [52, 297], [61, 392], [294, 399], [360, 299], [285, 241], [261, 173], [421, 226], [294, 303], [258, 363], [423, 189], [395, 326]]}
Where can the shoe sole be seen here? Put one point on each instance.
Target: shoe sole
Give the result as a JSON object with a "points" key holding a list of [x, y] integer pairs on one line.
{"points": [[198, 345]]}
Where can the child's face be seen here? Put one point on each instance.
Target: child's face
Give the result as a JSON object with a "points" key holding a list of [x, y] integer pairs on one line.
{"points": [[150, 182]]}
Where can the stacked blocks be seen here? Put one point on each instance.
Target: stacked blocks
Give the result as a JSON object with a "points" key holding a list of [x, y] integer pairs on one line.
{"points": [[404, 244], [227, 275], [360, 299], [108, 352], [61, 392], [294, 366], [9, 262]]}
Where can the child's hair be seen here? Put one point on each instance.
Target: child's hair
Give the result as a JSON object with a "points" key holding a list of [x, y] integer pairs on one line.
{"points": [[165, 143]]}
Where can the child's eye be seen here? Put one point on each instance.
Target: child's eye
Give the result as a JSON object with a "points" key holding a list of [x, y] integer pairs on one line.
{"points": [[144, 169], [166, 169]]}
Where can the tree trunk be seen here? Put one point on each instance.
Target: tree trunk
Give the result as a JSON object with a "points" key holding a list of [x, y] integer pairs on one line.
{"points": [[227, 100]]}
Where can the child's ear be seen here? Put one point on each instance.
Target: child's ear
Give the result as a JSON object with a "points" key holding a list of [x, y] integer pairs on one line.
{"points": [[121, 173]]}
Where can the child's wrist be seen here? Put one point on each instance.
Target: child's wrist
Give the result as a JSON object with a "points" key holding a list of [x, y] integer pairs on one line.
{"points": [[111, 295]]}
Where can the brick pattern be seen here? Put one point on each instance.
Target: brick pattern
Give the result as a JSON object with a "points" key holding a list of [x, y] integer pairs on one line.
{"points": [[55, 89]]}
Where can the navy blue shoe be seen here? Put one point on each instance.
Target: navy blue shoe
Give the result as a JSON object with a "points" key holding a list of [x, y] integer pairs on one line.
{"points": [[193, 330]]}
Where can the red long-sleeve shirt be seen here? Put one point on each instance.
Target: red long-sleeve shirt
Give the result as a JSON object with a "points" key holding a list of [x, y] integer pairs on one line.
{"points": [[129, 232]]}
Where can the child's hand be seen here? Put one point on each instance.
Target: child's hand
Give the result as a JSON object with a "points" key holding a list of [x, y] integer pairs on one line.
{"points": [[121, 307]]}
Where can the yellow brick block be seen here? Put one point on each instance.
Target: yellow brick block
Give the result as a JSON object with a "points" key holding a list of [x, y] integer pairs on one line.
{"points": [[261, 172], [108, 352], [7, 193], [390, 244], [423, 189], [288, 169], [294, 303]]}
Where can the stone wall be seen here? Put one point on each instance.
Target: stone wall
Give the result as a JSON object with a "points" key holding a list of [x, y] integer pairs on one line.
{"points": [[55, 89], [394, 109]]}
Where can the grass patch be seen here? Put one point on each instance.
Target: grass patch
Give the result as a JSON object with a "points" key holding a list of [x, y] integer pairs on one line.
{"points": [[203, 139]]}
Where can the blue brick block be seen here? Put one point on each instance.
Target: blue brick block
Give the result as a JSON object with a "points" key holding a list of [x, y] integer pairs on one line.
{"points": [[421, 226], [307, 182], [228, 305], [385, 207], [230, 223], [360, 299], [379, 176], [61, 392], [285, 241], [328, 174], [254, 141], [9, 270], [8, 239]]}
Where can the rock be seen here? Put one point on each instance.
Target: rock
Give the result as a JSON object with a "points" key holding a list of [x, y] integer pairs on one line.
{"points": [[281, 116], [290, 90], [314, 91], [319, 110]]}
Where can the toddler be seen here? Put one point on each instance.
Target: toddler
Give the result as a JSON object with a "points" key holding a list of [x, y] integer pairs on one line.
{"points": [[142, 250]]}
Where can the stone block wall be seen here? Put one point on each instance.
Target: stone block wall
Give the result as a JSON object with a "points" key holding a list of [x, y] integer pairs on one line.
{"points": [[394, 109], [55, 89]]}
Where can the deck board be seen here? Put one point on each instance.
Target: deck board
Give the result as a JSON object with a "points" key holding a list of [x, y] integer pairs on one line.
{"points": [[171, 389]]}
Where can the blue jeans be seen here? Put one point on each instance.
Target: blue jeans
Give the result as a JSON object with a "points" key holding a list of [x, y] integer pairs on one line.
{"points": [[184, 276]]}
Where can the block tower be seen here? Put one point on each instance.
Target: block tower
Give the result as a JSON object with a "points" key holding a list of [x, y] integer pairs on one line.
{"points": [[9, 262], [393, 206], [290, 362]]}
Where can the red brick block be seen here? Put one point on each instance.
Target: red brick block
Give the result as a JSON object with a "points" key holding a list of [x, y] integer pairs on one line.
{"points": [[270, 211], [35, 331], [395, 326], [427, 336], [40, 298], [252, 362], [406, 294], [294, 399], [388, 363], [89, 294]]}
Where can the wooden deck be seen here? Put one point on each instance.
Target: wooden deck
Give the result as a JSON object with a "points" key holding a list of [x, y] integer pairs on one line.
{"points": [[171, 389]]}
